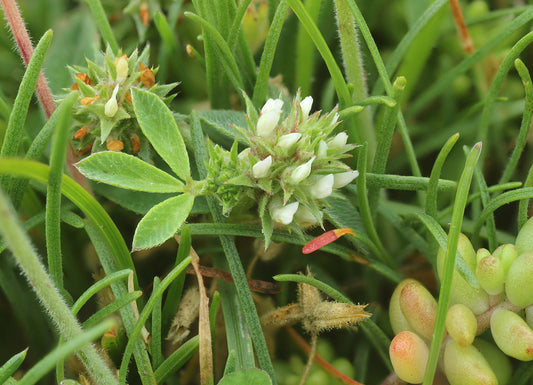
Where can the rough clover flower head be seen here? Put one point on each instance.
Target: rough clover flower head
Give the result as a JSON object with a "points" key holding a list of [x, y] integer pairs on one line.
{"points": [[292, 162], [105, 118]]}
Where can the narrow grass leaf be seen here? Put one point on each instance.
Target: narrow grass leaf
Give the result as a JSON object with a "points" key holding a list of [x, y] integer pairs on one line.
{"points": [[136, 333], [159, 126], [39, 370], [176, 360], [155, 338], [15, 125], [113, 307], [102, 22], [129, 172], [12, 365], [246, 377], [449, 264]]}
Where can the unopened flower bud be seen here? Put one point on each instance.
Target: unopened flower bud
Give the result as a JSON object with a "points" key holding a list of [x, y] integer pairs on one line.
{"points": [[409, 355], [506, 254], [244, 155], [335, 119], [287, 141], [284, 214], [397, 319], [323, 187], [524, 239], [338, 141], [512, 334], [481, 253], [306, 105], [342, 179], [121, 65], [490, 274], [419, 308], [261, 169], [322, 150], [111, 106], [301, 172], [518, 284], [270, 113], [305, 217], [466, 366], [461, 324]]}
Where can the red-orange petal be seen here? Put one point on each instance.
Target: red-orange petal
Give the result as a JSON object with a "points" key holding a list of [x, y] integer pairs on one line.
{"points": [[326, 238]]}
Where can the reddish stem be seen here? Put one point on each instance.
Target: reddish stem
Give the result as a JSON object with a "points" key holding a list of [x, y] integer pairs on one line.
{"points": [[466, 40], [319, 360], [44, 94]]}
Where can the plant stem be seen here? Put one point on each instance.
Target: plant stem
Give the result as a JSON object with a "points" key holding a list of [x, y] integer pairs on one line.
{"points": [[40, 281], [101, 21], [355, 73]]}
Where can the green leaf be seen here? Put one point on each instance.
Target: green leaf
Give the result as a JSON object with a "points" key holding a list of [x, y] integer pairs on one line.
{"points": [[162, 221], [159, 126], [245, 377], [129, 172], [12, 365]]}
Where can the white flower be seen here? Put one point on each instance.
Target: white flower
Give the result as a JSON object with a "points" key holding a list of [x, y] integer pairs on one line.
{"points": [[122, 69], [335, 119], [323, 187], [304, 215], [343, 178], [322, 150], [284, 214], [261, 168], [288, 140], [301, 172], [244, 155], [339, 141], [111, 106], [306, 105], [270, 113]]}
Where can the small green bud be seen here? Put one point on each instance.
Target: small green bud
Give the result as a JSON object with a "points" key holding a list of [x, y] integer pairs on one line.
{"points": [[512, 334], [466, 366], [499, 362], [519, 285], [461, 324], [524, 239], [419, 308], [409, 355], [111, 106], [461, 292], [398, 321], [507, 254], [481, 253], [490, 274]]}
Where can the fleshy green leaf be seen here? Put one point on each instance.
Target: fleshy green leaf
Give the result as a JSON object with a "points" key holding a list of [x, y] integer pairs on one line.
{"points": [[162, 221], [129, 172], [159, 126], [244, 377]]}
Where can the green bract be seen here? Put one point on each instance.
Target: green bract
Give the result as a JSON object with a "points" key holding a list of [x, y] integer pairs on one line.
{"points": [[105, 117]]}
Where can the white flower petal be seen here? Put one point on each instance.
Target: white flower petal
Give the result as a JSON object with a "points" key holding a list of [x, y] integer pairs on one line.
{"points": [[272, 105], [339, 141], [261, 169], [285, 214], [301, 172], [322, 150], [306, 105], [288, 140], [304, 215], [343, 178], [323, 187], [111, 106]]}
